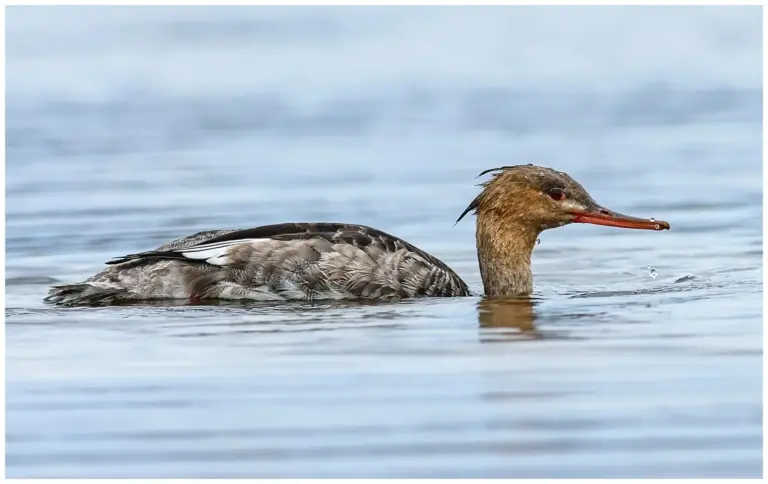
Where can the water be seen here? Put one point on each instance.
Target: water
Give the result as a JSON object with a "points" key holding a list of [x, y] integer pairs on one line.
{"points": [[127, 128]]}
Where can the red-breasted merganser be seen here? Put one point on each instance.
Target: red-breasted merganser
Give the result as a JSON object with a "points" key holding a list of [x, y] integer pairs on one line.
{"points": [[311, 261]]}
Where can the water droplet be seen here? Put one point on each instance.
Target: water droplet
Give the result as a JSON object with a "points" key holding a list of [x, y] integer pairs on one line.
{"points": [[653, 219], [538, 241], [652, 272]]}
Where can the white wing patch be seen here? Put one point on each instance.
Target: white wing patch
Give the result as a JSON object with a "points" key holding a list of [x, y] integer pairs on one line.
{"points": [[217, 253]]}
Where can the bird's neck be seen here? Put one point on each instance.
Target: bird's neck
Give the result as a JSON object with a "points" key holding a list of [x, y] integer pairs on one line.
{"points": [[504, 248]]}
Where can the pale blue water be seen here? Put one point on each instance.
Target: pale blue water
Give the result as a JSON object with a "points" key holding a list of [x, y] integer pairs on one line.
{"points": [[128, 127]]}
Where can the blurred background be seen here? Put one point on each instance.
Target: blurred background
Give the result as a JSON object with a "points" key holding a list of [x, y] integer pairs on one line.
{"points": [[639, 356]]}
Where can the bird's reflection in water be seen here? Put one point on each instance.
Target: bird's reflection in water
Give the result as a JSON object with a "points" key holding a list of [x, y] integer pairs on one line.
{"points": [[507, 319]]}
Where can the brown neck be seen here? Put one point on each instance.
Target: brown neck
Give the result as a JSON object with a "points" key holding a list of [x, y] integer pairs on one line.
{"points": [[504, 249]]}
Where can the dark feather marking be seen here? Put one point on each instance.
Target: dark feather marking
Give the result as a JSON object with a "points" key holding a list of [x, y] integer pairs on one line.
{"points": [[472, 206], [501, 168], [78, 294], [284, 231], [152, 254], [429, 285]]}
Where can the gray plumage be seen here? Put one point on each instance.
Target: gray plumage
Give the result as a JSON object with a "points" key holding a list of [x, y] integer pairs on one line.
{"points": [[294, 261]]}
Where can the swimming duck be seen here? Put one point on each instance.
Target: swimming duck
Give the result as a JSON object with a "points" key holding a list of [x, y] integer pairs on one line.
{"points": [[311, 261]]}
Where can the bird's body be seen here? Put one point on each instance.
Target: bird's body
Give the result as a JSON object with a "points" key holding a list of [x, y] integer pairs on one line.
{"points": [[315, 261], [283, 262]]}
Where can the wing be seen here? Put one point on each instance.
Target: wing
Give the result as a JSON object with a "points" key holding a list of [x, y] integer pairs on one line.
{"points": [[195, 239], [212, 246]]}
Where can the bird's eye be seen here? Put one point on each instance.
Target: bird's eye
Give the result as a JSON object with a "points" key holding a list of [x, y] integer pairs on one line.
{"points": [[557, 194]]}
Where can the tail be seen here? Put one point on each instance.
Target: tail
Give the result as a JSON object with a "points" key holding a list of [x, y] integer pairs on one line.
{"points": [[84, 294]]}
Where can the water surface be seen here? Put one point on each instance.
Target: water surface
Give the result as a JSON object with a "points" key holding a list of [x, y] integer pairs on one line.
{"points": [[638, 356]]}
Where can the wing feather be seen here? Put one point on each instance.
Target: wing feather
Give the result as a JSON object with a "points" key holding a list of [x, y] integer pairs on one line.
{"points": [[216, 253]]}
